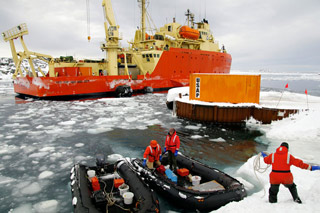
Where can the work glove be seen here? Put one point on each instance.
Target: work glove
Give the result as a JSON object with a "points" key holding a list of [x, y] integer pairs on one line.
{"points": [[144, 162], [263, 154], [313, 168], [160, 158], [176, 153]]}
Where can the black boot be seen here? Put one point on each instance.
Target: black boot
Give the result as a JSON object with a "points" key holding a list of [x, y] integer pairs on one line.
{"points": [[273, 192], [293, 190]]}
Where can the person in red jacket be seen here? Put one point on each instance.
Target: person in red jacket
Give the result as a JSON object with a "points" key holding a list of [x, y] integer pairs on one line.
{"points": [[281, 161], [153, 153], [172, 145]]}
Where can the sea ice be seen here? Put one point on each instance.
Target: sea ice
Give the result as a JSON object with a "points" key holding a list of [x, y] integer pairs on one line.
{"points": [[98, 130], [24, 208], [45, 174], [66, 165], [5, 180], [196, 136], [79, 145], [33, 188], [67, 123], [130, 119], [38, 155], [114, 157], [218, 140], [47, 149], [192, 127], [48, 206]]}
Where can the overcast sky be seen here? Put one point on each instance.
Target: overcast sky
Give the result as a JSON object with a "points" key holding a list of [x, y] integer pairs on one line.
{"points": [[276, 35]]}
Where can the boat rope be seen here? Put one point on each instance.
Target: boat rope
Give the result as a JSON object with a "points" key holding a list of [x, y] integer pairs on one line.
{"points": [[258, 168], [110, 199]]}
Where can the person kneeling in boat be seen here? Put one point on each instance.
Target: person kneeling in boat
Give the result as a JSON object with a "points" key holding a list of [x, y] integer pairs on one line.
{"points": [[281, 161], [153, 153], [172, 145]]}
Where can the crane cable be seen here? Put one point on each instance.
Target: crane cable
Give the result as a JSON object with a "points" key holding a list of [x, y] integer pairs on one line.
{"points": [[257, 168], [88, 20]]}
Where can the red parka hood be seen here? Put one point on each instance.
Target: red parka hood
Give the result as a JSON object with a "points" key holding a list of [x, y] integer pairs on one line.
{"points": [[282, 150]]}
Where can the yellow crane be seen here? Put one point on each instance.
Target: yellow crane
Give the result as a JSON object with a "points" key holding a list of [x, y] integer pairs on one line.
{"points": [[18, 32], [112, 38]]}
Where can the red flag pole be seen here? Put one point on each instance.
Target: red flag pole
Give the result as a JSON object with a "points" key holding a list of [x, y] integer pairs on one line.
{"points": [[306, 92], [282, 94]]}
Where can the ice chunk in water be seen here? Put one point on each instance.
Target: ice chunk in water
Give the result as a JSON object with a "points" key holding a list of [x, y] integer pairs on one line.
{"points": [[79, 145], [196, 136], [114, 157], [218, 140], [25, 208], [192, 127], [49, 206], [33, 188], [45, 174]]}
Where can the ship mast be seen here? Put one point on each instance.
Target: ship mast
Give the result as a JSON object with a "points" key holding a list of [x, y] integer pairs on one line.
{"points": [[143, 19], [190, 18], [112, 37]]}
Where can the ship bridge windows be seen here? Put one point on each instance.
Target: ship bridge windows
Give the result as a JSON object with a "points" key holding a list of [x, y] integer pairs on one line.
{"points": [[159, 37], [169, 28]]}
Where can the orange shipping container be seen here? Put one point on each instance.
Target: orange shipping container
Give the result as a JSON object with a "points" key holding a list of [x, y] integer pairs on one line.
{"points": [[225, 88], [85, 71]]}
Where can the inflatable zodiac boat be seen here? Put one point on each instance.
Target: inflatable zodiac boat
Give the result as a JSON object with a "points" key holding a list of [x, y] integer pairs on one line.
{"points": [[110, 188], [194, 186]]}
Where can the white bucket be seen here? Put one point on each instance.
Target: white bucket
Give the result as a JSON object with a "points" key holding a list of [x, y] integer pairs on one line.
{"points": [[195, 180], [91, 174], [128, 198], [123, 188]]}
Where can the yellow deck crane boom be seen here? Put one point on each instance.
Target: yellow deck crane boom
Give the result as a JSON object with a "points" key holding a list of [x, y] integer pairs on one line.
{"points": [[18, 32], [112, 38]]}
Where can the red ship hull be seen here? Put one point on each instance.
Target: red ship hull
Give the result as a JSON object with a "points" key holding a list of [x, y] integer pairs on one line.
{"points": [[172, 70]]}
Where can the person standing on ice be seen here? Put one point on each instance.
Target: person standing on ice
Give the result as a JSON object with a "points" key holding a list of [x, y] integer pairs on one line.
{"points": [[153, 153], [172, 145], [281, 161]]}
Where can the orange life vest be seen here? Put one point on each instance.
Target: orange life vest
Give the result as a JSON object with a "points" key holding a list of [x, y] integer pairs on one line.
{"points": [[172, 142], [154, 154]]}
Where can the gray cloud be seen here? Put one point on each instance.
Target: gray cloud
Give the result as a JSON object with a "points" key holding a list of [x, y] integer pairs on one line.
{"points": [[277, 35]]}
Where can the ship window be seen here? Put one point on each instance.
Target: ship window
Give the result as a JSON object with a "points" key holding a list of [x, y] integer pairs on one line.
{"points": [[148, 59], [169, 28], [159, 37], [143, 56], [154, 55], [147, 55], [158, 55], [150, 55]]}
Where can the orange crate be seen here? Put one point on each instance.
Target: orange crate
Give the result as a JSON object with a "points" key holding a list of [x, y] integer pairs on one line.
{"points": [[95, 184], [183, 172], [118, 182]]}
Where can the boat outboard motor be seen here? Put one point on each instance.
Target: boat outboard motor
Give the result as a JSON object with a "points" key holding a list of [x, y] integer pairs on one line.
{"points": [[100, 161]]}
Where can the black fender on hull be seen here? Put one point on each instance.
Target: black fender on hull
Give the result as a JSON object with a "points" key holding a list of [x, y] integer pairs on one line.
{"points": [[123, 91]]}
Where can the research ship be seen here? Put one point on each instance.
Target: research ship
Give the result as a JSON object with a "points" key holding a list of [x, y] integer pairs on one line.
{"points": [[152, 62]]}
